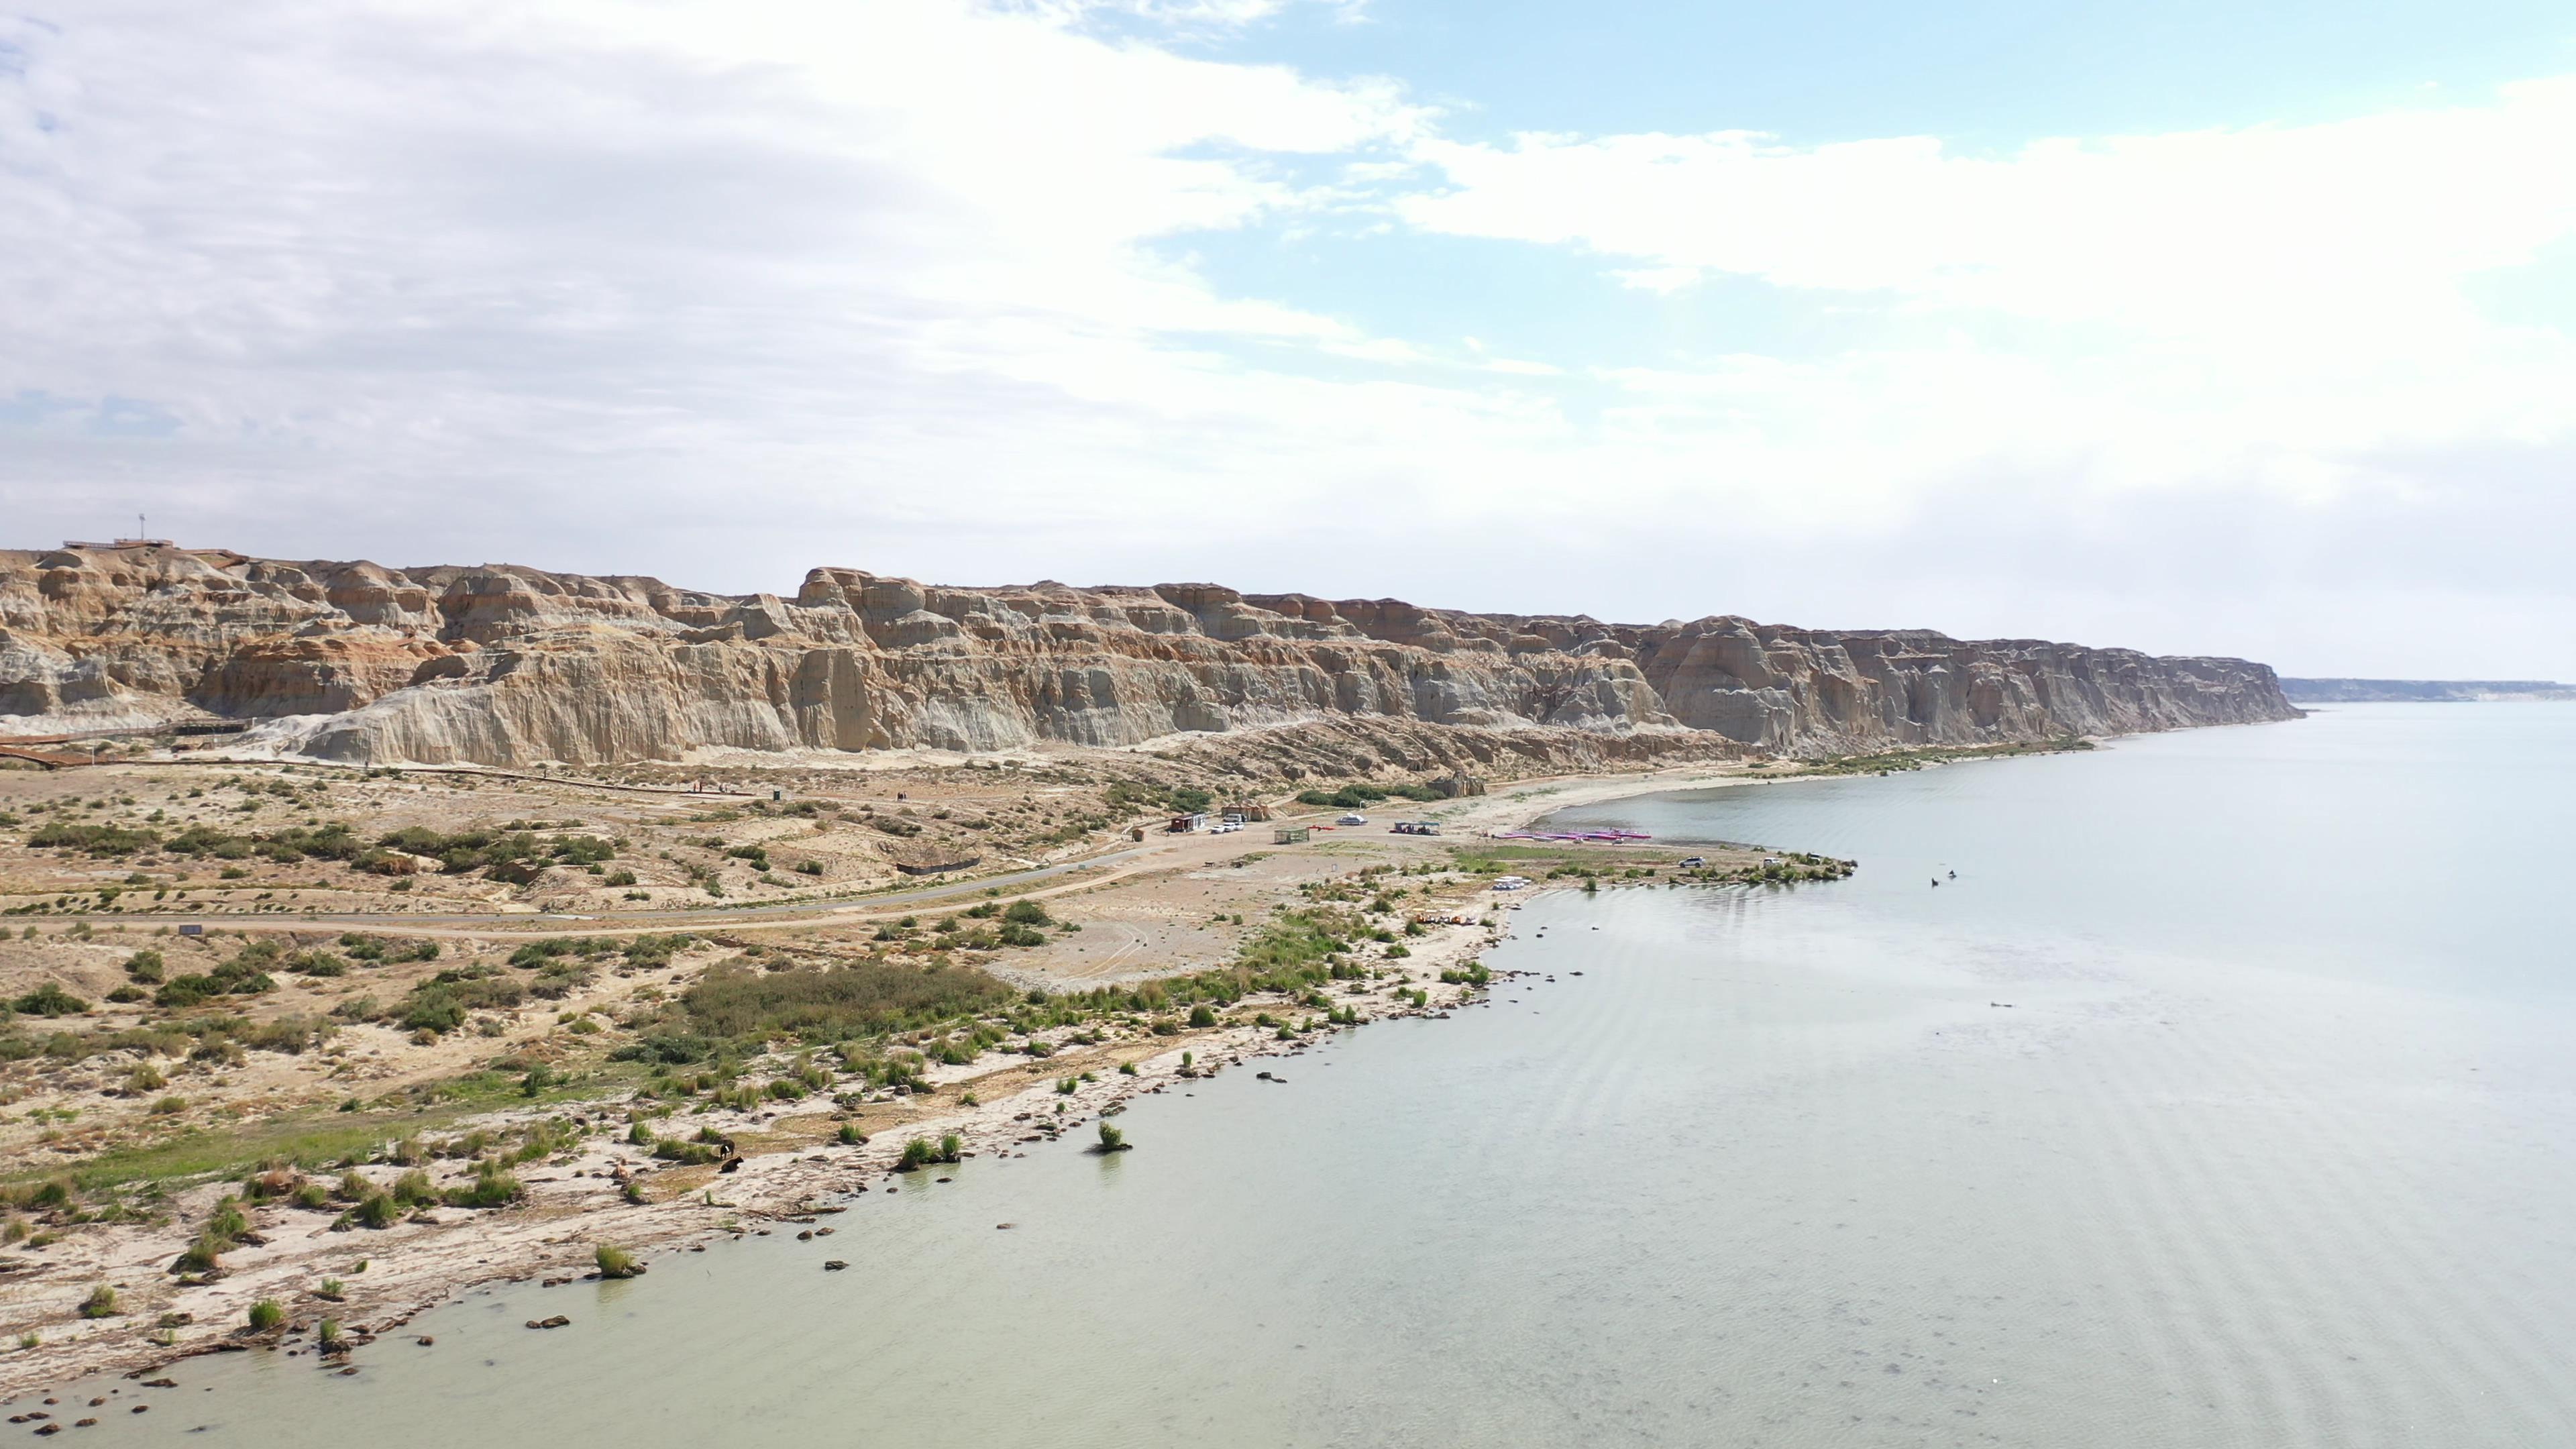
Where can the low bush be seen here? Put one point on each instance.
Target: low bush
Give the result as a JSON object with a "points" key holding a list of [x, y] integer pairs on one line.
{"points": [[246, 974], [49, 1000], [491, 1188], [862, 999]]}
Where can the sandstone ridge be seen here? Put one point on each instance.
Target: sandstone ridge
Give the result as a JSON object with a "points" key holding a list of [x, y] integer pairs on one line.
{"points": [[504, 665]]}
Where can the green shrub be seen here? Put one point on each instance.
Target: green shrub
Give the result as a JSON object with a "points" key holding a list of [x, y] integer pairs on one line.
{"points": [[862, 999], [491, 1188], [616, 1262], [1111, 1139], [228, 1222], [266, 1314], [316, 963], [145, 966], [246, 974], [96, 840], [688, 1154], [203, 1255], [101, 1303], [917, 1154], [678, 1050], [49, 1000]]}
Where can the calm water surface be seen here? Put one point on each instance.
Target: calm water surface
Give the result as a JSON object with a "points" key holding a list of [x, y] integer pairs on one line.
{"points": [[2227, 1096]]}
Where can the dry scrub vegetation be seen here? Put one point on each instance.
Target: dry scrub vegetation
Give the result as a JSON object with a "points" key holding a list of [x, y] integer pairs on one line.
{"points": [[186, 1115]]}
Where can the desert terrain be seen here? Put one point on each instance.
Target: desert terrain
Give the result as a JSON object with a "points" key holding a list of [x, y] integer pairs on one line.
{"points": [[292, 1042]]}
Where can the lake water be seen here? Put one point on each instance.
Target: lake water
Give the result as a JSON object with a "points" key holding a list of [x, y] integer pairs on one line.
{"points": [[2227, 1096]]}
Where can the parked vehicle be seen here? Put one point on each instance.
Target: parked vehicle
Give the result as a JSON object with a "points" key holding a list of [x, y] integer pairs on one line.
{"points": [[1353, 818]]}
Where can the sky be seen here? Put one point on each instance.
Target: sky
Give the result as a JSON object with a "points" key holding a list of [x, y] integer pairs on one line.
{"points": [[2207, 328]]}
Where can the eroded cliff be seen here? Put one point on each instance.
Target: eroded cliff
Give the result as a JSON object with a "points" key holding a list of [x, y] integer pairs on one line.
{"points": [[506, 665]]}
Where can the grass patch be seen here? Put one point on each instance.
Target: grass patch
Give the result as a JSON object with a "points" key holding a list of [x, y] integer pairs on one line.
{"points": [[862, 999]]}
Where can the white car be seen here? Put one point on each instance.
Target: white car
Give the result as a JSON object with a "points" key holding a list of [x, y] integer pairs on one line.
{"points": [[1354, 818]]}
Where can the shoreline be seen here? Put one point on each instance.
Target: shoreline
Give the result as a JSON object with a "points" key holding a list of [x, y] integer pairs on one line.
{"points": [[790, 1164], [553, 1234]]}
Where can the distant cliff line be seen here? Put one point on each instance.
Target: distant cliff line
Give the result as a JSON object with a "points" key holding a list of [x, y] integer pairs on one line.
{"points": [[505, 665], [2439, 691]]}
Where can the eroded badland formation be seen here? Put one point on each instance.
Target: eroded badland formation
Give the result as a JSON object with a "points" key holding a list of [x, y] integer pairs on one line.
{"points": [[491, 915], [501, 665]]}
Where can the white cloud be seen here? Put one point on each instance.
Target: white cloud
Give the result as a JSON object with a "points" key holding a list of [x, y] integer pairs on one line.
{"points": [[723, 290], [2265, 305], [2330, 228]]}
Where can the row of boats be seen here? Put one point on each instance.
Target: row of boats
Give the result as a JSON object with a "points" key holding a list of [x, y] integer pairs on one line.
{"points": [[1575, 837]]}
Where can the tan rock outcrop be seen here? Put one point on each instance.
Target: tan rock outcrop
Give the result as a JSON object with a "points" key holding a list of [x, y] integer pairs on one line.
{"points": [[509, 665]]}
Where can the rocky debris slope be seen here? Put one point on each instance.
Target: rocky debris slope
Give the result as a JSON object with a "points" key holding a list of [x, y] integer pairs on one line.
{"points": [[506, 665]]}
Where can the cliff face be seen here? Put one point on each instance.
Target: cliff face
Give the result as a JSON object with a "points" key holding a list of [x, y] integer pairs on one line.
{"points": [[508, 665]]}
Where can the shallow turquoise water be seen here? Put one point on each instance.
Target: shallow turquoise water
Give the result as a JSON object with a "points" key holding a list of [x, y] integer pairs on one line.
{"points": [[2226, 1097]]}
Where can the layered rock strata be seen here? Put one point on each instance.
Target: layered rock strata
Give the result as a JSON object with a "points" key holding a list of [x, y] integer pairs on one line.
{"points": [[506, 665]]}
